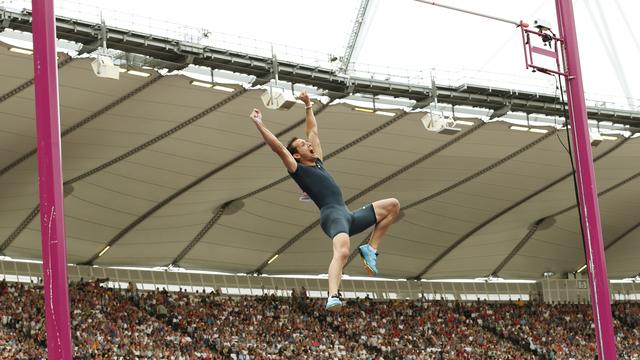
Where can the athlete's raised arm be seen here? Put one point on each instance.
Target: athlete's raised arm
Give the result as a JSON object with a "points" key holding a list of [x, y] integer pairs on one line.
{"points": [[311, 125], [273, 142]]}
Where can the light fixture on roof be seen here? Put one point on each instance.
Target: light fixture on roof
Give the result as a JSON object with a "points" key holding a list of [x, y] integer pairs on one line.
{"points": [[223, 88], [209, 85], [104, 250], [201, 84], [103, 67], [273, 258], [581, 269], [529, 129], [439, 123], [539, 131], [278, 99], [464, 122], [597, 138], [364, 110], [138, 73], [21, 51], [385, 113]]}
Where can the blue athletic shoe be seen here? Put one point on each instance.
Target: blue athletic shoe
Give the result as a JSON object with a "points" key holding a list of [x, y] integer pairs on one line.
{"points": [[333, 304], [369, 259]]}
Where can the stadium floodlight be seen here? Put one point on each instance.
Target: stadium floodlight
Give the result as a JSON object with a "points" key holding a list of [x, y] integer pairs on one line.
{"points": [[138, 73], [103, 67], [209, 85], [223, 88], [539, 131], [201, 84], [104, 250], [465, 122], [278, 99], [595, 136], [21, 51], [439, 123]]}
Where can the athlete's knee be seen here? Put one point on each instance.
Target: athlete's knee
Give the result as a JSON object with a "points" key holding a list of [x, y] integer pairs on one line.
{"points": [[341, 253], [394, 205], [341, 247]]}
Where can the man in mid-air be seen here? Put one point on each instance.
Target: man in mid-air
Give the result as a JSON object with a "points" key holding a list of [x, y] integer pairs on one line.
{"points": [[303, 160]]}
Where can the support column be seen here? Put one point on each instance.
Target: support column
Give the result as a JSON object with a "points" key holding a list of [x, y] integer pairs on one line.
{"points": [[587, 191], [54, 259]]}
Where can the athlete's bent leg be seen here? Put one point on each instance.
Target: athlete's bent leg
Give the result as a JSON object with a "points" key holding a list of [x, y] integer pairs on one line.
{"points": [[386, 212]]}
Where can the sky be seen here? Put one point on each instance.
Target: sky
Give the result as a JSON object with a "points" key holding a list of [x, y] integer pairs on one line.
{"points": [[403, 38]]}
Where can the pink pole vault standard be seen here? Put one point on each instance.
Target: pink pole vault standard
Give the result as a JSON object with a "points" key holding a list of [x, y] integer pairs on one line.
{"points": [[587, 191], [54, 258]]}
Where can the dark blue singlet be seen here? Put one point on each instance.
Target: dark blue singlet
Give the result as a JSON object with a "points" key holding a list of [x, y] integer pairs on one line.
{"points": [[335, 217]]}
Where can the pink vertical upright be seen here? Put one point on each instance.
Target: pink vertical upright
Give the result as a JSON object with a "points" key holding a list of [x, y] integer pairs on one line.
{"points": [[54, 259], [587, 191]]}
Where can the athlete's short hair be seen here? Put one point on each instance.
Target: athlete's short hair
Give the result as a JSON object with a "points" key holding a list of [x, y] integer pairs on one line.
{"points": [[292, 149]]}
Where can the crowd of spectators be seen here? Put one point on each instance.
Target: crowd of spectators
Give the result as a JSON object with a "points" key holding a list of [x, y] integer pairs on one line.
{"points": [[556, 331], [130, 324]]}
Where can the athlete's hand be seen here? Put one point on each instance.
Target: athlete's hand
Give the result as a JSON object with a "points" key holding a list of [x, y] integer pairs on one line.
{"points": [[305, 98], [256, 116]]}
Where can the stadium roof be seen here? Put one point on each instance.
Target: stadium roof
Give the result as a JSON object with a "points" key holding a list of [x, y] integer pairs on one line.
{"points": [[165, 172]]}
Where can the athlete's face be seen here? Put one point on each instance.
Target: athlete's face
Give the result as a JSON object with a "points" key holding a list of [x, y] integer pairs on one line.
{"points": [[304, 150]]}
